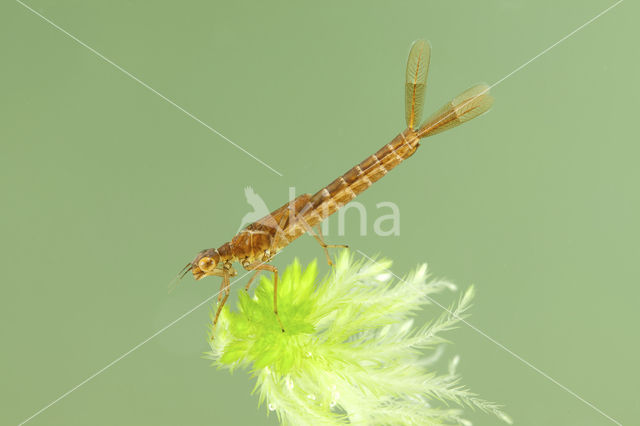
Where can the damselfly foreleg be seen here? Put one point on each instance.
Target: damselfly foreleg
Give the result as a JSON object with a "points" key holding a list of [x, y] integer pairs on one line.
{"points": [[256, 245], [225, 274], [221, 291]]}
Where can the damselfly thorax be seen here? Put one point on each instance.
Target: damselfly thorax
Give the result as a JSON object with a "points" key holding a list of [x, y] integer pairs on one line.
{"points": [[255, 246]]}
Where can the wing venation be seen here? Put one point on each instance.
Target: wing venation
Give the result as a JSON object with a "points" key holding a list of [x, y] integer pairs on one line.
{"points": [[416, 81]]}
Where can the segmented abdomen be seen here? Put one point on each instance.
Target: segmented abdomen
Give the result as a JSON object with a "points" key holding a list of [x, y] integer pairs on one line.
{"points": [[293, 219], [346, 187]]}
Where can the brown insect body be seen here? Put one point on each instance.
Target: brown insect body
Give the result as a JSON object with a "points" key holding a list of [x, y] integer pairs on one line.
{"points": [[256, 245], [261, 240]]}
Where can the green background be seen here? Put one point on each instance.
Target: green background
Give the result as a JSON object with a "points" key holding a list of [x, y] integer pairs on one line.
{"points": [[107, 190]]}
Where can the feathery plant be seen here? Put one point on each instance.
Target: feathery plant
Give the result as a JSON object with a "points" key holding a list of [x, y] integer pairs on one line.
{"points": [[351, 353]]}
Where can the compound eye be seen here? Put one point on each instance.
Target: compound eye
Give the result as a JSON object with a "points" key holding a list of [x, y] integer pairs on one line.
{"points": [[207, 264]]}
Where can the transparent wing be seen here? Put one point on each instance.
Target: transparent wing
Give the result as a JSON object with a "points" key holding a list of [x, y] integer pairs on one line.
{"points": [[416, 83], [467, 105]]}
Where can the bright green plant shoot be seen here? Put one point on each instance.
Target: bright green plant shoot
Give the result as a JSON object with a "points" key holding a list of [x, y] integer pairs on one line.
{"points": [[350, 353]]}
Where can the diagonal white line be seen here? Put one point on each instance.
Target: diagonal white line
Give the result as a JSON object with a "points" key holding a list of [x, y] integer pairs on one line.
{"points": [[136, 347], [208, 299], [509, 351], [555, 44], [127, 73], [124, 355], [468, 101]]}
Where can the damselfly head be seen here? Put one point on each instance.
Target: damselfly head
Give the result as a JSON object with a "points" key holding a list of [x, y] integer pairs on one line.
{"points": [[205, 261]]}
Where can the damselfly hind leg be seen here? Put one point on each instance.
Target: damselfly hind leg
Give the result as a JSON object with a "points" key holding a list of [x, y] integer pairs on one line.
{"points": [[320, 240]]}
